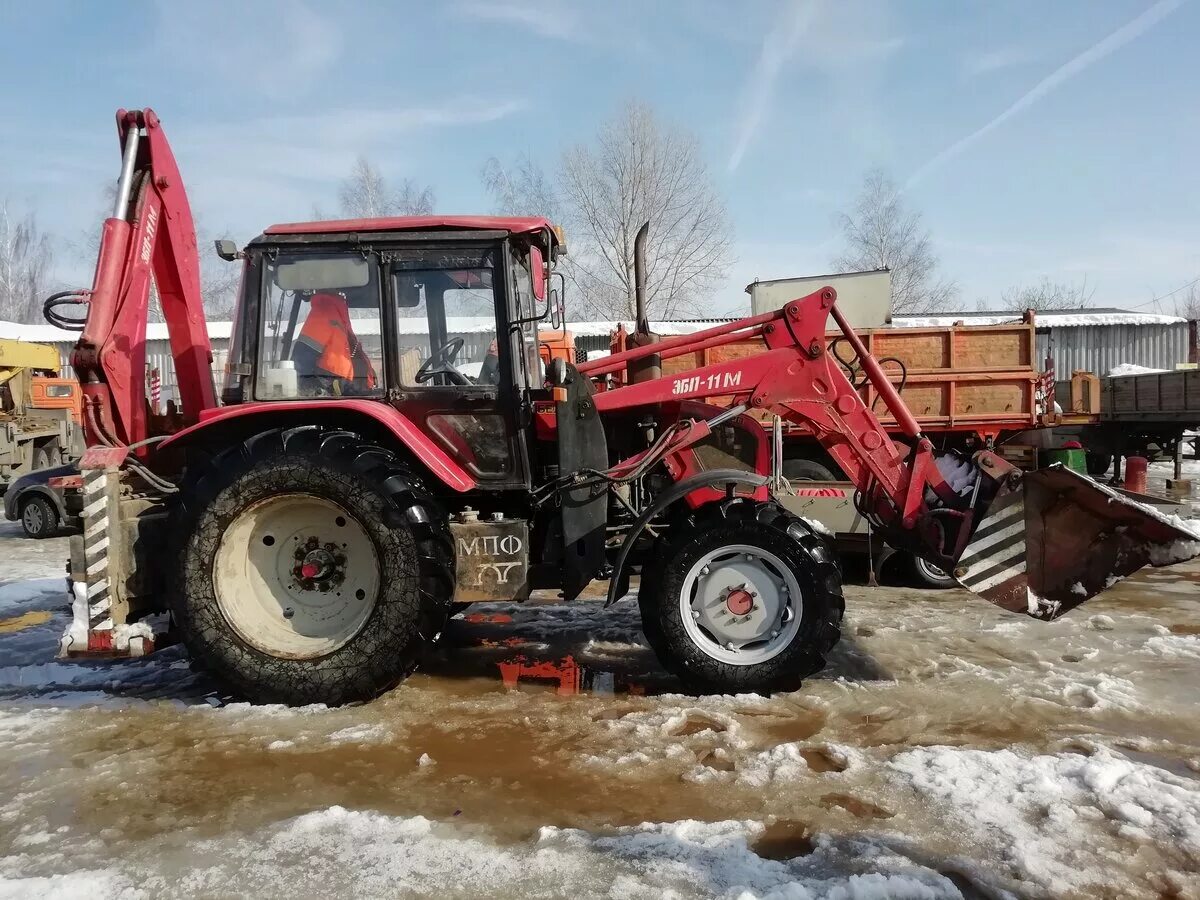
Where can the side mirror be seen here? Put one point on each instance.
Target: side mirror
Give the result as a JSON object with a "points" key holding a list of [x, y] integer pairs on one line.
{"points": [[558, 302], [227, 250], [537, 271]]}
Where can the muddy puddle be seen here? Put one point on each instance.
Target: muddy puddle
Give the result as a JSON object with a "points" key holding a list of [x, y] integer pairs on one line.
{"points": [[948, 749]]}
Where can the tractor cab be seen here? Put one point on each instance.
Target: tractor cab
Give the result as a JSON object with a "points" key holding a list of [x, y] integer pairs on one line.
{"points": [[438, 317]]}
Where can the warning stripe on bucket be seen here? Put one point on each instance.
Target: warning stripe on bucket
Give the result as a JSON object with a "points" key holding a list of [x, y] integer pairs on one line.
{"points": [[997, 550]]}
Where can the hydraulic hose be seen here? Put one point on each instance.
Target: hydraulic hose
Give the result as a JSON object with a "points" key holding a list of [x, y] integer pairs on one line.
{"points": [[65, 298]]}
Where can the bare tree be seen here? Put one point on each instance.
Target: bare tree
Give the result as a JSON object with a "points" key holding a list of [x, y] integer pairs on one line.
{"points": [[1188, 304], [522, 189], [1047, 294], [25, 256], [881, 232], [365, 194], [641, 168]]}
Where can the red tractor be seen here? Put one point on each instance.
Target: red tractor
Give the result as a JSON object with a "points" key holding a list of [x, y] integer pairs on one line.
{"points": [[369, 466]]}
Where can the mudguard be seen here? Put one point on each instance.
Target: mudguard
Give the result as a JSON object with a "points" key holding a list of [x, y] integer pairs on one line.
{"points": [[318, 411]]}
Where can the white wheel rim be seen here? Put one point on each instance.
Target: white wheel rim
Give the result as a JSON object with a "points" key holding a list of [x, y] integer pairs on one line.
{"points": [[931, 571], [33, 517], [741, 605], [262, 576]]}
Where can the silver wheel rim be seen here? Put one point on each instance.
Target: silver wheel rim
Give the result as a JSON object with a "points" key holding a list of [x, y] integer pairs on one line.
{"points": [[741, 605], [296, 576], [34, 520], [930, 571]]}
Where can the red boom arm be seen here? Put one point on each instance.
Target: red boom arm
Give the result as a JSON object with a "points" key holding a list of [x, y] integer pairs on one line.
{"points": [[797, 378], [150, 233]]}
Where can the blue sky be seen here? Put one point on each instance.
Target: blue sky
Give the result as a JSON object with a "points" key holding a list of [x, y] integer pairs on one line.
{"points": [[1038, 139]]}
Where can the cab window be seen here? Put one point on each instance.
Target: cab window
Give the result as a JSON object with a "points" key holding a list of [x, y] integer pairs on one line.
{"points": [[320, 334], [446, 319]]}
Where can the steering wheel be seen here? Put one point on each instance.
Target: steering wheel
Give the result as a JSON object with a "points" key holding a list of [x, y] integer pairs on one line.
{"points": [[441, 362]]}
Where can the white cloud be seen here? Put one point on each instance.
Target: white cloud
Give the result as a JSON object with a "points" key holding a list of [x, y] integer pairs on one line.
{"points": [[285, 164], [838, 40], [276, 48], [552, 20], [1119, 38], [998, 59], [777, 47]]}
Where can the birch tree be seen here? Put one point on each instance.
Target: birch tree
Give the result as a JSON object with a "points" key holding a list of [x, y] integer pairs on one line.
{"points": [[366, 194], [878, 232], [25, 256], [638, 168]]}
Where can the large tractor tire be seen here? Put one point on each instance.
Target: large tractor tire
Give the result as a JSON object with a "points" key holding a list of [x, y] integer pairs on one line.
{"points": [[743, 598], [313, 568]]}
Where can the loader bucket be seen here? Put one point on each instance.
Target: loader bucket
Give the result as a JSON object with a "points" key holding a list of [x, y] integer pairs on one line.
{"points": [[1058, 538]]}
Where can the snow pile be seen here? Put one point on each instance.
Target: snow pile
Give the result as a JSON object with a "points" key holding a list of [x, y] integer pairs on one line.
{"points": [[342, 852], [1131, 369], [1173, 646], [1027, 813]]}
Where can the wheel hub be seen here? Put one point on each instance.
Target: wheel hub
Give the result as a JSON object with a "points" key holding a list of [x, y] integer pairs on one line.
{"points": [[319, 567], [741, 604], [296, 575], [739, 601]]}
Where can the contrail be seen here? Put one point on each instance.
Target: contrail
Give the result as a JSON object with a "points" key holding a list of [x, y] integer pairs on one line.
{"points": [[777, 47], [1114, 41]]}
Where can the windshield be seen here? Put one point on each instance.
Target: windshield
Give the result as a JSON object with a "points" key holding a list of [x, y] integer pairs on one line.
{"points": [[320, 332]]}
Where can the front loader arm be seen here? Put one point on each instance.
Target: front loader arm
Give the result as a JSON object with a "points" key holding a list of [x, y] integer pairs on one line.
{"points": [[797, 378], [1039, 542], [151, 235]]}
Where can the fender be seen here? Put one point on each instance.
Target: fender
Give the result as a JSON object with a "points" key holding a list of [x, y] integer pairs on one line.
{"points": [[728, 477], [399, 425]]}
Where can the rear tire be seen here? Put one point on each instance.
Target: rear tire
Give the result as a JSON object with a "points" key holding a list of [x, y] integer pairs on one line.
{"points": [[41, 459], [39, 518], [313, 568], [767, 551], [1098, 463]]}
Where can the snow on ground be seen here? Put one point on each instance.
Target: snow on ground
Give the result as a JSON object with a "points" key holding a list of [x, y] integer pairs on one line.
{"points": [[1023, 809], [949, 749]]}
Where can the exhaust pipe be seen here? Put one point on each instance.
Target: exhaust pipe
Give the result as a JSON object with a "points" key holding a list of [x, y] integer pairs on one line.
{"points": [[648, 367], [639, 278]]}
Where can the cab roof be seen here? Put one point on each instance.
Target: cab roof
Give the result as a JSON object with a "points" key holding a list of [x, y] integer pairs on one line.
{"points": [[511, 224]]}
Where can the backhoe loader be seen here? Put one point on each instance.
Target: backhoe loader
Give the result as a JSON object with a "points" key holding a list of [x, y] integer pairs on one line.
{"points": [[308, 536]]}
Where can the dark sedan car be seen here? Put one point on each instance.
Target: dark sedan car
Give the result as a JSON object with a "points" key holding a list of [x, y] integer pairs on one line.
{"points": [[45, 501]]}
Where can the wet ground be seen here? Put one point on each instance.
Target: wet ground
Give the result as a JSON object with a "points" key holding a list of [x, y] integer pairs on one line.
{"points": [[949, 750]]}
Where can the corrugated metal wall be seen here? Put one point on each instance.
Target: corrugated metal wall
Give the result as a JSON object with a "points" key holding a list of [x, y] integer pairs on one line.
{"points": [[1098, 348], [1091, 348]]}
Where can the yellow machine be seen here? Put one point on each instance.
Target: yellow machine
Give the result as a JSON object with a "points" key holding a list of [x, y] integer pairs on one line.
{"points": [[39, 411]]}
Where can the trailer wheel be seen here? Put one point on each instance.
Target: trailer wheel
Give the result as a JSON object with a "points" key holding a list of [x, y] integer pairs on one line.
{"points": [[744, 598], [314, 568], [926, 574], [39, 518], [1098, 463], [807, 470]]}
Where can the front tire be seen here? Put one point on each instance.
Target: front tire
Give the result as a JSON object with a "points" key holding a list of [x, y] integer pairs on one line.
{"points": [[743, 597], [314, 568], [39, 518]]}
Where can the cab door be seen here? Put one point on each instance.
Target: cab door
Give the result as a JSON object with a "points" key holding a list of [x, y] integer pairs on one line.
{"points": [[451, 369]]}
